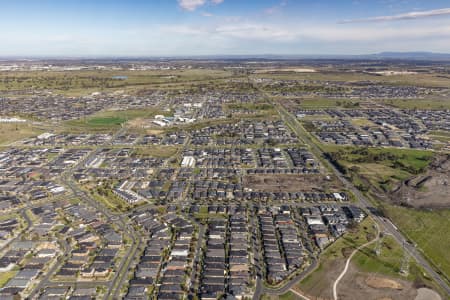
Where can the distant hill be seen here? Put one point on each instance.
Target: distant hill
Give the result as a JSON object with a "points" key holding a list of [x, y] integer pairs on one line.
{"points": [[412, 55]]}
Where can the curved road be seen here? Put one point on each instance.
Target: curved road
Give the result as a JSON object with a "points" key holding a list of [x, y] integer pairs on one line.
{"points": [[363, 202]]}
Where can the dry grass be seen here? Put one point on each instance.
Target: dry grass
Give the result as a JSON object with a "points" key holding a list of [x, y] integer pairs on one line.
{"points": [[10, 133]]}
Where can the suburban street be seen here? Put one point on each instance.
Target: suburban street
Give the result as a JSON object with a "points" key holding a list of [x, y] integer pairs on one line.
{"points": [[365, 203]]}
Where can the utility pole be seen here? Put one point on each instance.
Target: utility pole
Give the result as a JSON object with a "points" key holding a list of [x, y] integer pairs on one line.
{"points": [[379, 245], [404, 269]]}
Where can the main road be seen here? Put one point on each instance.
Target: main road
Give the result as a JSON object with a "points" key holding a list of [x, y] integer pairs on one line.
{"points": [[120, 275], [363, 202]]}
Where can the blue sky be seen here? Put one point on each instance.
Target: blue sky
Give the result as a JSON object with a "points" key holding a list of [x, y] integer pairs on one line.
{"points": [[214, 27]]}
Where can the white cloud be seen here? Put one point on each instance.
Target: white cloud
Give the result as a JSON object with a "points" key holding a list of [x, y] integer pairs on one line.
{"points": [[278, 33], [207, 14], [276, 8], [191, 5], [405, 16]]}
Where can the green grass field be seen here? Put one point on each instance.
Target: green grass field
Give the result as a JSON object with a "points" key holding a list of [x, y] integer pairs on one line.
{"points": [[419, 103], [320, 103], [10, 133], [428, 229], [156, 151], [339, 250], [387, 263], [381, 167], [5, 277], [111, 120], [73, 83]]}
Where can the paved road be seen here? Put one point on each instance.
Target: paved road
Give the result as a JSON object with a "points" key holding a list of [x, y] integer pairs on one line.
{"points": [[388, 226], [198, 248], [363, 201], [45, 281], [27, 227], [115, 285], [293, 281]]}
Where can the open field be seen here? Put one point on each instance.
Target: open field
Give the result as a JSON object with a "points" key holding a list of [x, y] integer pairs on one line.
{"points": [[389, 263], [419, 103], [288, 183], [383, 168], [6, 276], [110, 120], [360, 285], [316, 103], [428, 229], [430, 80], [85, 82], [14, 132], [369, 276], [427, 190], [156, 151], [332, 261]]}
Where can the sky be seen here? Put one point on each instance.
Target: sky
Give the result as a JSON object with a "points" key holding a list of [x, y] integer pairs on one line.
{"points": [[145, 28]]}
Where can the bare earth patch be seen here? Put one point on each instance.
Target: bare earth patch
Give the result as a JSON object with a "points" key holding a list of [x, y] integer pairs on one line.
{"points": [[357, 285], [320, 285], [288, 183], [427, 294], [383, 283], [429, 190]]}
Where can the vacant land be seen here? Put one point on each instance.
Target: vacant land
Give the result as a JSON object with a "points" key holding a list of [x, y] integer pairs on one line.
{"points": [[379, 168], [427, 190], [316, 103], [156, 151], [359, 285], [332, 261], [14, 132], [289, 183], [419, 103], [6, 276], [108, 121], [428, 229], [370, 276], [386, 262], [73, 83], [428, 80]]}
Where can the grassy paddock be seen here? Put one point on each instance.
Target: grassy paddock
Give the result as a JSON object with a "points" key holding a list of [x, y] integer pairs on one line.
{"points": [[339, 250], [430, 80], [10, 133], [428, 229], [419, 103], [381, 167], [5, 277], [83, 82], [156, 151], [109, 120]]}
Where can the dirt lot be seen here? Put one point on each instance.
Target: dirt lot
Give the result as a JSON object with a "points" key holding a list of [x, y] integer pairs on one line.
{"points": [[377, 282], [427, 294], [429, 190], [289, 183], [321, 287], [356, 285]]}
